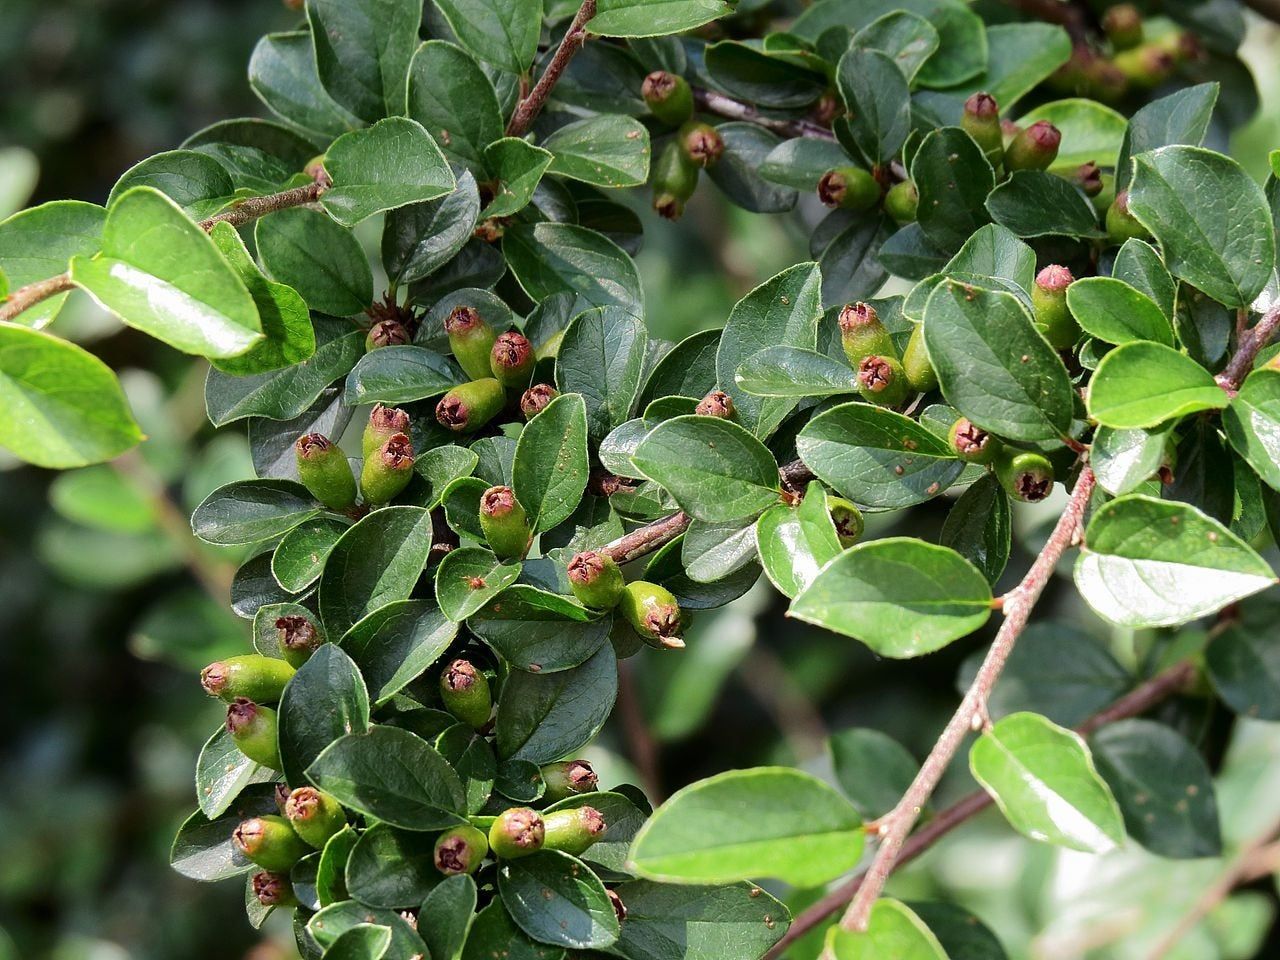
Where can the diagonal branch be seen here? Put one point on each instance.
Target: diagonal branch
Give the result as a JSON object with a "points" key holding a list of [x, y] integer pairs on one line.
{"points": [[1250, 344], [709, 101], [531, 105]]}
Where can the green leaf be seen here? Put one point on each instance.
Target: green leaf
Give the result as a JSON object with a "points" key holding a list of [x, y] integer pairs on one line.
{"points": [[551, 258], [1138, 265], [419, 239], [300, 555], [1043, 779], [737, 172], [61, 406], [396, 643], [363, 49], [102, 497], [1033, 203], [872, 769], [392, 164], [326, 699], [749, 72], [1163, 786], [391, 775], [1123, 459], [979, 527], [555, 899], [901, 597], [908, 38], [468, 578], [602, 356], [543, 717], [450, 95], [1210, 218], [876, 457], [800, 162], [796, 542], [713, 468], [494, 934], [783, 371], [667, 922], [1181, 117], [953, 179], [1243, 661], [607, 151], [318, 258], [392, 868], [653, 18], [992, 251], [249, 511], [202, 850], [451, 907], [551, 469], [538, 631], [1113, 311], [517, 166], [784, 310], [607, 857], [994, 366], [1144, 384], [1091, 132], [39, 243], [789, 825], [376, 562], [222, 772], [689, 370], [282, 72], [893, 930], [440, 466], [399, 374], [161, 273], [194, 181], [1252, 422], [1149, 563], [364, 941], [327, 926], [875, 93], [501, 32]]}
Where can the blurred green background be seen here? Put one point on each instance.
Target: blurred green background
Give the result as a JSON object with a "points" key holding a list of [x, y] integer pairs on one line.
{"points": [[108, 607]]}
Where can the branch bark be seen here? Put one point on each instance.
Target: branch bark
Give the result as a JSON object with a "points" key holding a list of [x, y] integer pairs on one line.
{"points": [[709, 101], [531, 105], [24, 298], [1247, 349]]}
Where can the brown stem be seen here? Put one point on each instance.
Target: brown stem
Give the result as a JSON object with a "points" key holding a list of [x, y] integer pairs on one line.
{"points": [[1132, 704], [1251, 343], [709, 101], [648, 538], [641, 745], [26, 297], [531, 105]]}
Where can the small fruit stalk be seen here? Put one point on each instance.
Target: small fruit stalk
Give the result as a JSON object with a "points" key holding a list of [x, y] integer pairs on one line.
{"points": [[1025, 475], [270, 842], [535, 399], [654, 613], [568, 778], [862, 334], [465, 692], [460, 850], [250, 677], [675, 178], [253, 728], [881, 380], [1049, 301], [468, 407], [388, 471], [668, 96], [972, 444], [314, 815], [849, 188], [517, 832], [504, 523], [471, 340], [596, 580], [716, 404], [573, 830], [847, 519], [299, 639], [981, 120], [701, 143], [512, 361], [384, 423], [1035, 148], [324, 471]]}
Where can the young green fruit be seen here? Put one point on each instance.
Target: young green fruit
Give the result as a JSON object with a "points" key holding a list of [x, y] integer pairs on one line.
{"points": [[1121, 224], [902, 202], [535, 399], [881, 380], [250, 677], [1123, 26], [511, 360], [1025, 475], [517, 832], [314, 815], [253, 728], [386, 333], [298, 638], [716, 404], [273, 889], [675, 177], [569, 778], [862, 334], [668, 96], [596, 580], [981, 120], [466, 695], [921, 377], [471, 340], [701, 143], [573, 830], [1145, 67], [847, 519], [505, 525], [384, 423], [1049, 301], [849, 188], [468, 407], [388, 471], [1035, 148], [270, 842], [971, 443], [460, 850], [654, 613], [324, 471]]}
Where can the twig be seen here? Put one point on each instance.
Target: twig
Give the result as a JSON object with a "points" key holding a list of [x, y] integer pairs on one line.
{"points": [[709, 101], [648, 538], [640, 742], [1137, 702], [1250, 344], [531, 105], [27, 297], [1018, 604]]}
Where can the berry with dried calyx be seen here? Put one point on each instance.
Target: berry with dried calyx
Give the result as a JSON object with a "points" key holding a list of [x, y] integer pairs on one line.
{"points": [[273, 889], [716, 404], [568, 778], [668, 96], [981, 120], [468, 407], [701, 143], [460, 850], [1025, 475], [314, 815], [849, 188], [504, 523], [387, 333], [1035, 148], [517, 832], [384, 423], [471, 340], [511, 360], [675, 177], [862, 334], [573, 829], [253, 728], [846, 518], [971, 443], [1145, 67], [388, 471], [269, 842], [654, 613], [596, 580], [1088, 177], [250, 676], [534, 400], [881, 380], [324, 471], [465, 692], [299, 638], [1123, 26], [1049, 303]]}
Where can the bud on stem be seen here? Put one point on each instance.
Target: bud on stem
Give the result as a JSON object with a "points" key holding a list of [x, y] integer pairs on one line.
{"points": [[468, 407], [847, 519], [971, 443], [862, 334], [1049, 301], [596, 580], [517, 832], [466, 695], [1035, 148], [881, 380], [536, 398], [250, 677], [511, 360], [324, 471], [921, 377], [573, 830], [1025, 475], [460, 850], [849, 188], [717, 404], [384, 423], [388, 471], [569, 778], [273, 889], [253, 728], [314, 815], [270, 842], [471, 340], [668, 96], [654, 613], [981, 120]]}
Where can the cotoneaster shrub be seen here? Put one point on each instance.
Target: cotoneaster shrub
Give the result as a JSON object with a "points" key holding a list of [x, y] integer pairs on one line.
{"points": [[483, 483]]}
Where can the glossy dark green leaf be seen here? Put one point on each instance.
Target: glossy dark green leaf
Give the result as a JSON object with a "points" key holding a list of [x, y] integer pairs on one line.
{"points": [[962, 935], [908, 38], [796, 542], [783, 371], [1033, 203], [422, 237], [875, 93], [1138, 265], [399, 374], [468, 578], [331, 872], [556, 899], [979, 527], [194, 181], [517, 167], [670, 922], [495, 934], [543, 717], [551, 258], [338, 919], [872, 769], [202, 850], [606, 151], [318, 258], [641, 18], [737, 172], [1244, 661], [440, 466], [222, 772], [446, 916], [602, 357], [501, 32], [326, 699], [750, 73], [538, 631], [362, 52], [1113, 311], [249, 511], [364, 941], [282, 72], [38, 243], [392, 868], [688, 370], [550, 469], [392, 164], [395, 644], [453, 98], [953, 179], [892, 929], [1144, 384], [1181, 117], [300, 555], [800, 162], [1123, 459]]}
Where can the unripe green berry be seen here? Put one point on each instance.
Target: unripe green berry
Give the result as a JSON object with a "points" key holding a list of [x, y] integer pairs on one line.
{"points": [[1145, 67], [270, 842], [253, 728], [251, 677], [314, 815], [668, 96], [511, 360], [701, 143], [573, 829], [324, 471], [518, 832], [468, 407], [388, 471], [471, 340], [1123, 26], [504, 522], [971, 443], [881, 380], [466, 695], [981, 120], [847, 519], [384, 423], [1121, 224], [298, 638], [460, 850], [862, 334], [849, 188], [534, 400], [654, 613], [1025, 476], [921, 377], [902, 202], [1035, 148], [596, 580], [716, 404], [273, 889], [1049, 301], [675, 177], [568, 778], [386, 333]]}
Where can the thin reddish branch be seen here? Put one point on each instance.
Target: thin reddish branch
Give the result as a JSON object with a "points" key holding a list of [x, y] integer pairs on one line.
{"points": [[531, 105], [1250, 343], [709, 101], [24, 298], [647, 539]]}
